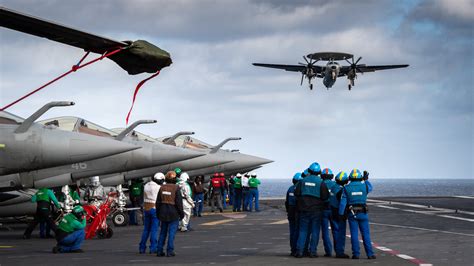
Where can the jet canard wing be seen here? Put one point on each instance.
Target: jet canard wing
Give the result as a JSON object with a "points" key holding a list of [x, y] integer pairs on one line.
{"points": [[364, 68], [293, 68]]}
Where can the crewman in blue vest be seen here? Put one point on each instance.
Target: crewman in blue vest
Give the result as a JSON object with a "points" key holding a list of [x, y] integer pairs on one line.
{"points": [[327, 220], [311, 194], [290, 205], [334, 201], [354, 197]]}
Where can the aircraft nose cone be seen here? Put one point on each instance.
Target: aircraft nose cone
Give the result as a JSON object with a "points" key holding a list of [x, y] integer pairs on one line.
{"points": [[248, 161], [86, 147], [166, 154]]}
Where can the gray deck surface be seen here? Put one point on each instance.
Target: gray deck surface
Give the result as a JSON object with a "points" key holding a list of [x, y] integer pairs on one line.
{"points": [[437, 235]]}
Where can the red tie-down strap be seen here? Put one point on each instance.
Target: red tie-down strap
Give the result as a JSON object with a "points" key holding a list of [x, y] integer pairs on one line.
{"points": [[73, 69], [136, 91]]}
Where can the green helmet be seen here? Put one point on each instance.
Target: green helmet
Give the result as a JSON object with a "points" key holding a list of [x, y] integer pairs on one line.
{"points": [[78, 209], [178, 171]]}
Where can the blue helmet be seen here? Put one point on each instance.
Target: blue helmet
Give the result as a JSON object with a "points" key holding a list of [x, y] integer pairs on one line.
{"points": [[305, 173], [327, 174], [314, 169], [355, 174], [342, 178], [297, 177]]}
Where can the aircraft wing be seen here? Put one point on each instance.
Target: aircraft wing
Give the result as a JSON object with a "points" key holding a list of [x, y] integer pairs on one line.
{"points": [[293, 68], [364, 68], [56, 32]]}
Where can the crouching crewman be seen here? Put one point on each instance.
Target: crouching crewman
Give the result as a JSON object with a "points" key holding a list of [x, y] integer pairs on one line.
{"points": [[70, 233]]}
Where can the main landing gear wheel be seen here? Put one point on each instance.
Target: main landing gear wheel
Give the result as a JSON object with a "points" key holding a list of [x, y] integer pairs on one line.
{"points": [[120, 219]]}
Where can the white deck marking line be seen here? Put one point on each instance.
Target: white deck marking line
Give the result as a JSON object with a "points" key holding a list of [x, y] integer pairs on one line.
{"points": [[219, 222], [406, 257], [418, 206], [386, 207], [423, 229], [464, 197], [248, 248], [285, 221], [457, 218], [229, 255], [138, 260], [402, 256]]}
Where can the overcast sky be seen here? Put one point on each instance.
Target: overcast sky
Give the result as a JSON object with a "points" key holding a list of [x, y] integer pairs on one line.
{"points": [[405, 123]]}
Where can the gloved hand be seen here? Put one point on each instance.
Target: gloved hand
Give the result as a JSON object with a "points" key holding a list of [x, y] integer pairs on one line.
{"points": [[366, 175]]}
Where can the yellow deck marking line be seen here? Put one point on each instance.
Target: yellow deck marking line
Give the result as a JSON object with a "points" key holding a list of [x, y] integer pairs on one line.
{"points": [[280, 222], [2, 146], [219, 222], [6, 246]]}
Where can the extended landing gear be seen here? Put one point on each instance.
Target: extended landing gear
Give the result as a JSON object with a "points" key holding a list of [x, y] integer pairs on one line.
{"points": [[311, 86], [349, 86]]}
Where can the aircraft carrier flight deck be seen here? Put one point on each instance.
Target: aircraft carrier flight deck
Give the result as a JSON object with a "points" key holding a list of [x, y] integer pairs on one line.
{"points": [[405, 231]]}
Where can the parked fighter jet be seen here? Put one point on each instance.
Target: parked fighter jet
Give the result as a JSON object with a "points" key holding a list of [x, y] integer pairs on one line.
{"points": [[152, 153], [26, 146], [209, 160], [238, 161], [332, 70]]}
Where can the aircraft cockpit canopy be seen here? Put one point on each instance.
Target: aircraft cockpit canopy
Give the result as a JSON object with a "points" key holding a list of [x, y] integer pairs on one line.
{"points": [[188, 143], [136, 135], [10, 119], [70, 123]]}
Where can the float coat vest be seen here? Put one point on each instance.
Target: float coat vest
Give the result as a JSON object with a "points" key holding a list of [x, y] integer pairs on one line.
{"points": [[335, 196], [291, 196], [311, 186], [168, 193], [356, 192], [238, 183], [42, 195]]}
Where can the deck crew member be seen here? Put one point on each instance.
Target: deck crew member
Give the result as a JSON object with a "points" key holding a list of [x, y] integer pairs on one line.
{"points": [[327, 176], [245, 192], [334, 201], [224, 190], [95, 192], [43, 199], [150, 218], [290, 206], [70, 233], [198, 195], [237, 193], [216, 192], [354, 197], [311, 194], [188, 203], [136, 197], [253, 191], [169, 205]]}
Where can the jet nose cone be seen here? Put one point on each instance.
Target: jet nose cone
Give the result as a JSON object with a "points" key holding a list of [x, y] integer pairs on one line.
{"points": [[86, 147], [252, 161], [166, 154]]}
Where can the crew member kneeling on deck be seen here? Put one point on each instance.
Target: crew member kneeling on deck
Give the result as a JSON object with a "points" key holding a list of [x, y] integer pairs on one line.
{"points": [[311, 194], [290, 206], [355, 198], [169, 205], [70, 233], [334, 201]]}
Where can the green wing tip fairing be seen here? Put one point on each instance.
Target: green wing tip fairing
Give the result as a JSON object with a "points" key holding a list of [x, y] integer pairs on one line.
{"points": [[141, 56]]}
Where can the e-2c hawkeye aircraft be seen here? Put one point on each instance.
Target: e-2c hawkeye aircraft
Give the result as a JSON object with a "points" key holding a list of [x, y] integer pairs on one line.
{"points": [[332, 70]]}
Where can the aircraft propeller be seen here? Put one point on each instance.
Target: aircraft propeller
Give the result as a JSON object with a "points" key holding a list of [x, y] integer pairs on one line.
{"points": [[353, 72], [308, 71]]}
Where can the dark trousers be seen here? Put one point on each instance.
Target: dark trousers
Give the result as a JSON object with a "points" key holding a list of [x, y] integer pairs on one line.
{"points": [[309, 223], [237, 199], [42, 215], [326, 221], [293, 234]]}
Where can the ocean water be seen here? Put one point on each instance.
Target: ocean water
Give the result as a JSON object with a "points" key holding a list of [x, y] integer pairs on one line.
{"points": [[275, 188]]}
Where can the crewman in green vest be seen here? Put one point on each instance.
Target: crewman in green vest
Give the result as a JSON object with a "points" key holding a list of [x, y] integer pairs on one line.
{"points": [[70, 233], [253, 191], [136, 197], [237, 193], [43, 198]]}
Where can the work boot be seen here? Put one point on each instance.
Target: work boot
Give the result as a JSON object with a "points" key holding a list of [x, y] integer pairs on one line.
{"points": [[199, 215], [299, 255], [221, 210], [160, 254], [55, 250], [354, 257], [171, 254], [26, 237], [77, 251], [327, 255], [313, 256], [342, 256], [372, 257]]}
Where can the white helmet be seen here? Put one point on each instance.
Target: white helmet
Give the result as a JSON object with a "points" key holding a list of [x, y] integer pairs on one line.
{"points": [[94, 181], [239, 175], [158, 177], [253, 174], [184, 177]]}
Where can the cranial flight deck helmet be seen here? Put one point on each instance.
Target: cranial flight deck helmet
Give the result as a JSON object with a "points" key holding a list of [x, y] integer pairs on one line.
{"points": [[342, 178], [314, 169], [355, 174], [327, 174]]}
